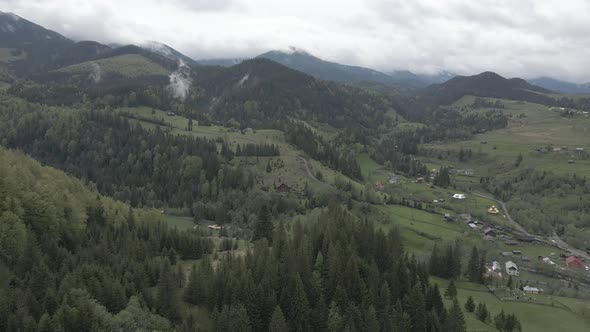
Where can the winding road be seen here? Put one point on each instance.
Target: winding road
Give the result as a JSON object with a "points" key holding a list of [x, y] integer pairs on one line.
{"points": [[552, 240]]}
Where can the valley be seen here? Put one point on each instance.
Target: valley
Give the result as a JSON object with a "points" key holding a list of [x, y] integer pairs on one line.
{"points": [[143, 190]]}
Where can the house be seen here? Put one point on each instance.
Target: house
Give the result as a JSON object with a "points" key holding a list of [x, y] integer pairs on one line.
{"points": [[556, 149], [448, 217], [171, 114], [459, 196], [496, 267], [511, 242], [547, 260], [579, 149], [283, 188], [532, 290], [493, 210], [574, 262], [419, 180], [489, 232], [214, 227], [472, 225], [525, 238], [506, 253], [517, 252], [247, 130], [511, 268]]}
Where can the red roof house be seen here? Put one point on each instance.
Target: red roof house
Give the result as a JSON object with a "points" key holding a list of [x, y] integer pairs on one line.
{"points": [[574, 262]]}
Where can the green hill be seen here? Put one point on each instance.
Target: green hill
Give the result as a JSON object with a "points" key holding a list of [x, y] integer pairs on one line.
{"points": [[128, 65]]}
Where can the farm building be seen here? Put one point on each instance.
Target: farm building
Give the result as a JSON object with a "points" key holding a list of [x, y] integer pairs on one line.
{"points": [[511, 268], [489, 232], [511, 242], [472, 225], [532, 290], [525, 238], [574, 262], [493, 210], [517, 252], [506, 253], [547, 260], [214, 227], [283, 188], [459, 196]]}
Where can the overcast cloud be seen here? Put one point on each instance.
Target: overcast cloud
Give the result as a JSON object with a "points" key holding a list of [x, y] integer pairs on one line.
{"points": [[525, 38]]}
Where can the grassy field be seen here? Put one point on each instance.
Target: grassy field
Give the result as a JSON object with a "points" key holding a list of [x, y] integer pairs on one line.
{"points": [[532, 126], [288, 168], [128, 65], [535, 315], [182, 223], [6, 55]]}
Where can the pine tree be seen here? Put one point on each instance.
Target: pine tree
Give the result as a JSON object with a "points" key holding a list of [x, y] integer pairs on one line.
{"points": [[168, 303], [335, 320], [470, 304], [473, 270], [481, 312], [278, 322], [414, 305], [264, 226], [455, 320], [451, 291], [371, 321], [295, 304], [510, 283]]}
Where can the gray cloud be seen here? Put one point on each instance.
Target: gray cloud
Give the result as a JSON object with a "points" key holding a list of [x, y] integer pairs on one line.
{"points": [[524, 38]]}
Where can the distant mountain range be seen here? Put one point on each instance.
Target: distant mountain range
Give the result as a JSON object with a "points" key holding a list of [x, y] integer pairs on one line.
{"points": [[331, 71], [561, 86]]}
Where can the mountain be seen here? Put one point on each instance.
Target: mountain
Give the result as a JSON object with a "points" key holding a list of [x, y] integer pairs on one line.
{"points": [[326, 70], [420, 80], [277, 91], [166, 51], [561, 86], [486, 84], [221, 62]]}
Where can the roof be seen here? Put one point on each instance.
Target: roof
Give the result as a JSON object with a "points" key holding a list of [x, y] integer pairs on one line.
{"points": [[489, 229], [511, 265], [573, 260], [459, 196], [530, 289], [472, 225]]}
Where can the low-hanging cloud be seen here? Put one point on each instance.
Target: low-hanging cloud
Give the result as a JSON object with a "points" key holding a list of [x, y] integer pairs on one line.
{"points": [[180, 81], [96, 73], [524, 38]]}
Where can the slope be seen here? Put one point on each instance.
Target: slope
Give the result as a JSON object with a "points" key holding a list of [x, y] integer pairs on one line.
{"points": [[486, 84], [561, 86]]}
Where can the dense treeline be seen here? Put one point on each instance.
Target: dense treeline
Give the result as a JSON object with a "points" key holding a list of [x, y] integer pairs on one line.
{"points": [[77, 261], [126, 161], [73, 261], [318, 148], [261, 150], [334, 274]]}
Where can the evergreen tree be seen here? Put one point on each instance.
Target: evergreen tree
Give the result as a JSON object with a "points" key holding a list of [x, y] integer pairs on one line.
{"points": [[473, 270], [264, 226], [482, 312], [295, 304], [455, 320], [451, 291], [168, 302], [470, 304], [278, 322], [510, 283], [335, 319]]}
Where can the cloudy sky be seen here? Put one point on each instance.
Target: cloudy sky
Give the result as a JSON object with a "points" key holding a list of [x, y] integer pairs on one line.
{"points": [[525, 38]]}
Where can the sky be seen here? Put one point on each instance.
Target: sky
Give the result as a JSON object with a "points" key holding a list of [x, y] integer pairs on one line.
{"points": [[516, 38]]}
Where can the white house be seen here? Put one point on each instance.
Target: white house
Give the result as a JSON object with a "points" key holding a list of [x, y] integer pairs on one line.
{"points": [[511, 268], [496, 267], [459, 196], [533, 290], [548, 260]]}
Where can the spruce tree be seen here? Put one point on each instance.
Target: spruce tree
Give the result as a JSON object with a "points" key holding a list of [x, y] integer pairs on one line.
{"points": [[168, 303], [473, 270], [455, 320], [278, 322], [470, 304], [451, 291], [264, 226]]}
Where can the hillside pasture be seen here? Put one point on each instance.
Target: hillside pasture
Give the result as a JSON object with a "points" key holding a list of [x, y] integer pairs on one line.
{"points": [[128, 65]]}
